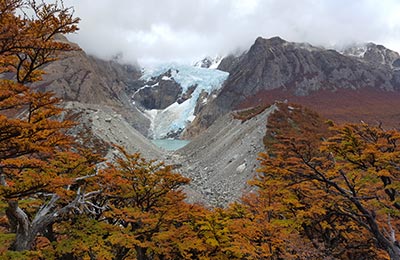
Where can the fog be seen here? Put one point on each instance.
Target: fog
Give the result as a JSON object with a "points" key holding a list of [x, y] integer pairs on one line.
{"points": [[153, 31]]}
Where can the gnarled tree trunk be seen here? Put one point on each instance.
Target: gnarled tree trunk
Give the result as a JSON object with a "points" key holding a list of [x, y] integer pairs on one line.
{"points": [[27, 230], [22, 227]]}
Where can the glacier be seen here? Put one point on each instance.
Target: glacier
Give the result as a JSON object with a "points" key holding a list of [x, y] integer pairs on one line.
{"points": [[175, 117]]}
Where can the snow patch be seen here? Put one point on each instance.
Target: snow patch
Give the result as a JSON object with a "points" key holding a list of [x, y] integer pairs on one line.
{"points": [[216, 63], [355, 51], [209, 62]]}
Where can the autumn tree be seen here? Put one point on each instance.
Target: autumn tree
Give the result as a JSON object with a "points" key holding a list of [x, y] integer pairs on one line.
{"points": [[42, 171], [27, 36], [141, 212], [340, 184], [145, 200]]}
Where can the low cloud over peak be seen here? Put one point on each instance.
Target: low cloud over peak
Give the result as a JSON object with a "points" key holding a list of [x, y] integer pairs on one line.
{"points": [[151, 31]]}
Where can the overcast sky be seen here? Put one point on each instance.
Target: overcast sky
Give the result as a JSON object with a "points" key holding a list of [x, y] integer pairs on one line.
{"points": [[151, 31]]}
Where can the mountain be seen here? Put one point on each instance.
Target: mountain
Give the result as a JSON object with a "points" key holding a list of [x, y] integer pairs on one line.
{"points": [[171, 96], [118, 104], [79, 77], [342, 86], [209, 62], [76, 76], [374, 53]]}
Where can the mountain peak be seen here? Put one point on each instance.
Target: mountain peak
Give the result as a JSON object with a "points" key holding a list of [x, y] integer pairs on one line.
{"points": [[209, 62], [374, 53], [276, 40], [277, 68]]}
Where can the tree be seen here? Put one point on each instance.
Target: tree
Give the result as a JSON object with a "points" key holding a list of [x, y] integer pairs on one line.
{"points": [[27, 36], [145, 200], [262, 226], [342, 182], [140, 210], [42, 171]]}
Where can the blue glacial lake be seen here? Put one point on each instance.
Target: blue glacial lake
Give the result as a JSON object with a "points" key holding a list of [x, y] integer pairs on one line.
{"points": [[170, 144]]}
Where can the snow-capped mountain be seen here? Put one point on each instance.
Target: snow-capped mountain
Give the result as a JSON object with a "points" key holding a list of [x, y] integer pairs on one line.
{"points": [[172, 95], [375, 53], [209, 62]]}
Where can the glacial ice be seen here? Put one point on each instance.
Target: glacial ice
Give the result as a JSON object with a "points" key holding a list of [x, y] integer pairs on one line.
{"points": [[175, 117]]}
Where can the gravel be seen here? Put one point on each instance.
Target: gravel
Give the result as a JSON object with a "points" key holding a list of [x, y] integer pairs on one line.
{"points": [[219, 162]]}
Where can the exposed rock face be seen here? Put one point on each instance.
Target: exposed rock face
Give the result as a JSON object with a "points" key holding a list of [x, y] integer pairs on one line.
{"points": [[209, 62], [158, 93], [229, 62], [380, 54], [201, 102], [299, 70], [374, 53], [158, 97], [79, 77], [76, 76], [274, 63], [188, 94]]}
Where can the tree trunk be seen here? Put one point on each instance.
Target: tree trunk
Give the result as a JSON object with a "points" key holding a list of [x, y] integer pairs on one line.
{"points": [[394, 252], [25, 230], [21, 226], [121, 253], [23, 241], [141, 253]]}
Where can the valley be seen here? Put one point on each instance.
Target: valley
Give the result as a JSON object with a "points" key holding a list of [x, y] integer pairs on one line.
{"points": [[219, 162], [184, 114]]}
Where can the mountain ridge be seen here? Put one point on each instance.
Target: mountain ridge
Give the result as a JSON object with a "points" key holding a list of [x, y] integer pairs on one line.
{"points": [[295, 70]]}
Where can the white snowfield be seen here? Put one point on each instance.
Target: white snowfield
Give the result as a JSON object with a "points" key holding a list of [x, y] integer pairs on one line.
{"points": [[176, 116]]}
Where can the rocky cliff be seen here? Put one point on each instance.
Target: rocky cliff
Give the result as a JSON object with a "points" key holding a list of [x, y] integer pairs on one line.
{"points": [[374, 53], [79, 77], [276, 69], [157, 93], [76, 76]]}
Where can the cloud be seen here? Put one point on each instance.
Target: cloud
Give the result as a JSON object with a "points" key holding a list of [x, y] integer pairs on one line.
{"points": [[151, 31]]}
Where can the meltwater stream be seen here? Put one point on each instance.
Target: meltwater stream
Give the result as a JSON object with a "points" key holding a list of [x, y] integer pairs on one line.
{"points": [[170, 144]]}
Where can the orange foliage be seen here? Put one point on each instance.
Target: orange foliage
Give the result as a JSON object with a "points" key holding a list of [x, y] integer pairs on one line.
{"points": [[140, 213], [27, 42], [41, 168], [338, 187]]}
